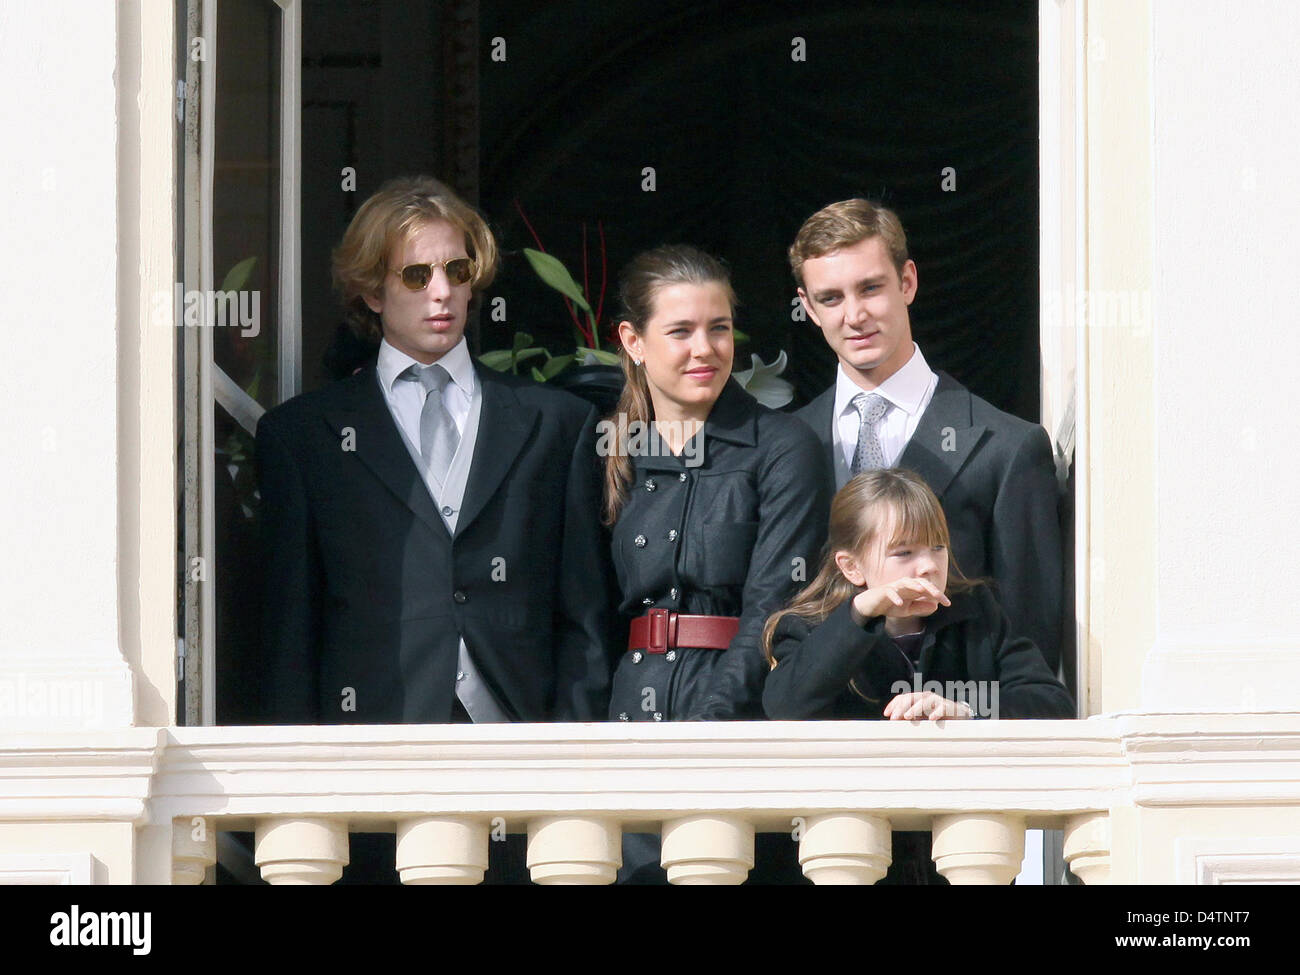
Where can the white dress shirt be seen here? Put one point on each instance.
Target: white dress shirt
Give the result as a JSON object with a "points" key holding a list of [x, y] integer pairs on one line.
{"points": [[462, 399], [909, 391]]}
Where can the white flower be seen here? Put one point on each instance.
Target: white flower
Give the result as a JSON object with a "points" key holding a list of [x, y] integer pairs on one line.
{"points": [[761, 382]]}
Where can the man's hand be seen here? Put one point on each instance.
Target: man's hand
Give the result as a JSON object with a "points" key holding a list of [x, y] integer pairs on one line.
{"points": [[919, 705]]}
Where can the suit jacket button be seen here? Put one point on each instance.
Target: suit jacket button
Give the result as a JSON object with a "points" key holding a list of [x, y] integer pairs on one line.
{"points": [[672, 534], [649, 484], [647, 601], [460, 596], [639, 541], [659, 715], [636, 656], [622, 716], [670, 656], [681, 476]]}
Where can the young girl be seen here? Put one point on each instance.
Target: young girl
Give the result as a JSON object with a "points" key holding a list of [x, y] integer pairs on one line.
{"points": [[889, 629]]}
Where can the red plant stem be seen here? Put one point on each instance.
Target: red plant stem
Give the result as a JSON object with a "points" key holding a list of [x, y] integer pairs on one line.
{"points": [[567, 304], [586, 290], [524, 217]]}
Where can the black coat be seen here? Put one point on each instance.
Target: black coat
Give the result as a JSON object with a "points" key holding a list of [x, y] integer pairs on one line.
{"points": [[368, 590], [996, 479], [733, 536], [967, 641]]}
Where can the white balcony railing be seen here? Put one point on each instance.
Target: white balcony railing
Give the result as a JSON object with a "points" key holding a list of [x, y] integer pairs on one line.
{"points": [[146, 805], [837, 787]]}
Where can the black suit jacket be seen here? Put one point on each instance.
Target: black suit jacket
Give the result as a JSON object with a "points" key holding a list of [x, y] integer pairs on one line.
{"points": [[996, 478], [368, 594]]}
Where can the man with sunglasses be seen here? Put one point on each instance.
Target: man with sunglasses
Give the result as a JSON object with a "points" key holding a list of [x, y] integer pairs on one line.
{"points": [[431, 526]]}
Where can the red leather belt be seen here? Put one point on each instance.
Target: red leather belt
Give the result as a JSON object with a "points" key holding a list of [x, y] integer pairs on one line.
{"points": [[659, 630]]}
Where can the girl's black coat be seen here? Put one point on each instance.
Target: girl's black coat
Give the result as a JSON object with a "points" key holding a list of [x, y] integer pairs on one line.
{"points": [[966, 641]]}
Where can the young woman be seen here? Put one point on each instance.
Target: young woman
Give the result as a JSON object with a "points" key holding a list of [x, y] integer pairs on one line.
{"points": [[718, 505], [716, 502], [889, 629]]}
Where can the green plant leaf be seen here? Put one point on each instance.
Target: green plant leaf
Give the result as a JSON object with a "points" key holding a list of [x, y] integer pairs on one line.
{"points": [[600, 355], [498, 359], [522, 341], [538, 375], [237, 276], [523, 354], [738, 336], [556, 365], [555, 274]]}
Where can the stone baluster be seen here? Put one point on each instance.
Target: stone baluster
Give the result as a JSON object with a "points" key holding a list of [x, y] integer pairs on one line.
{"points": [[194, 849], [442, 850], [979, 848], [715, 848], [301, 851], [1087, 847], [574, 850], [845, 848]]}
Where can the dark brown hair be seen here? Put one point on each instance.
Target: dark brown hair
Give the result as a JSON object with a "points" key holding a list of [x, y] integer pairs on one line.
{"points": [[638, 286]]}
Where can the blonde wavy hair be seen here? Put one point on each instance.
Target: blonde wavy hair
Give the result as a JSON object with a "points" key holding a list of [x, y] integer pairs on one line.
{"points": [[390, 218]]}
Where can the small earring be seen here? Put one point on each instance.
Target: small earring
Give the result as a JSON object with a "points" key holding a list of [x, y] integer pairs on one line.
{"points": [[637, 363]]}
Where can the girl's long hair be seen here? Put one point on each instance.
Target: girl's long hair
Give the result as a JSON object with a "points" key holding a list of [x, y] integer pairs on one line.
{"points": [[890, 499], [639, 283]]}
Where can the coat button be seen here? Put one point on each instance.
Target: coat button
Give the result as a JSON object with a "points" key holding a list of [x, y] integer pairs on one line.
{"points": [[650, 484], [672, 534], [670, 656], [647, 601], [460, 596], [636, 656], [681, 476], [672, 593], [639, 541], [622, 716], [659, 715]]}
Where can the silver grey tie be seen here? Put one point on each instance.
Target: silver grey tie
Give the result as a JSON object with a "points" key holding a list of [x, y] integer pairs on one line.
{"points": [[871, 409], [438, 434]]}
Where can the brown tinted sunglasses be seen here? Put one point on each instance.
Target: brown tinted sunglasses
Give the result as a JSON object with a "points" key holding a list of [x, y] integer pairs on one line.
{"points": [[416, 277]]}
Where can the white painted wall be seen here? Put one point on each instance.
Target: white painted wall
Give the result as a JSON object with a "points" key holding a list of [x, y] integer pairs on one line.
{"points": [[1227, 330], [58, 402]]}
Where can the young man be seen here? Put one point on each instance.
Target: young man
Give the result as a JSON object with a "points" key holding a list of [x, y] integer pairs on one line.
{"points": [[431, 527], [993, 472]]}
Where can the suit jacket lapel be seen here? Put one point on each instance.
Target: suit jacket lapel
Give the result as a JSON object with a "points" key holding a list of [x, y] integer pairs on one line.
{"points": [[817, 415], [379, 445], [504, 427], [944, 437]]}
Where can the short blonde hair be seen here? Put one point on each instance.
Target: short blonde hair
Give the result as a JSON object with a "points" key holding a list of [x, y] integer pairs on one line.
{"points": [[396, 212], [844, 224]]}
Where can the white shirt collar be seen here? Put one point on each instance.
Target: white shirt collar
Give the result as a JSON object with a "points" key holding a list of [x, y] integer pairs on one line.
{"points": [[905, 389], [393, 362]]}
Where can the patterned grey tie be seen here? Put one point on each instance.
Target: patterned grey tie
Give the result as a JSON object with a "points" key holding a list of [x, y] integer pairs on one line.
{"points": [[871, 409], [438, 434]]}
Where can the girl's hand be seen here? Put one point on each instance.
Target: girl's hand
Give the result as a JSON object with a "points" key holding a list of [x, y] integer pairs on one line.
{"points": [[900, 599], [916, 706]]}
